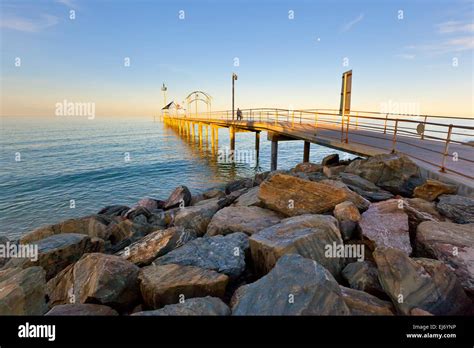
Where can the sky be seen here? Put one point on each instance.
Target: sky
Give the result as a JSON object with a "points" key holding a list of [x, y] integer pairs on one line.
{"points": [[287, 54]]}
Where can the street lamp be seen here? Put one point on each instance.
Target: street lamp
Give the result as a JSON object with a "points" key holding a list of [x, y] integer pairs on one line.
{"points": [[234, 78], [164, 89]]}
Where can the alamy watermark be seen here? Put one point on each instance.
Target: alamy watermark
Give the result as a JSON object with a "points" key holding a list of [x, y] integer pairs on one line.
{"points": [[226, 155], [402, 108], [23, 251], [83, 109], [350, 251]]}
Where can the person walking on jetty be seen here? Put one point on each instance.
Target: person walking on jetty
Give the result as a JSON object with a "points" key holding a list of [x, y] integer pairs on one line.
{"points": [[239, 114]]}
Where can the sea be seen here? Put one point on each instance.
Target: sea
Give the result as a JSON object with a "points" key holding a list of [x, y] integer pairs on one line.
{"points": [[56, 168]]}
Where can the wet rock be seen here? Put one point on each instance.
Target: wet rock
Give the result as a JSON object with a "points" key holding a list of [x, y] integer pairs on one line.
{"points": [[239, 184], [431, 189], [362, 303], [330, 160], [181, 196], [223, 254], [22, 291], [168, 284], [114, 210], [135, 212], [307, 167], [127, 229], [451, 243], [386, 224], [96, 278], [365, 188], [249, 199], [460, 209], [360, 202], [294, 196], [295, 286], [363, 276], [150, 203], [81, 309], [307, 235], [58, 251], [198, 217], [419, 312], [333, 170], [423, 283], [392, 172], [348, 216], [93, 226], [213, 193], [193, 306], [241, 219], [156, 244]]}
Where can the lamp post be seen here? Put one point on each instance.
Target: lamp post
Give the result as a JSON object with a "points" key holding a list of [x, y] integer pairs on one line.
{"points": [[164, 89], [234, 78]]}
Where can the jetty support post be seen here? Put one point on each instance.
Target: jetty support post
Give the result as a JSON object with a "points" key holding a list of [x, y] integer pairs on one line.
{"points": [[274, 155], [232, 139], [257, 146], [307, 147]]}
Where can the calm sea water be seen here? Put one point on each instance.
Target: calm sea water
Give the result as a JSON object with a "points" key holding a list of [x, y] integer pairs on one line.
{"points": [[47, 162]]}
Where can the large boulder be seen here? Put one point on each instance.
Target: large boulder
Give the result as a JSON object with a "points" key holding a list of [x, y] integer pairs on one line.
{"points": [[249, 198], [295, 286], [330, 160], [96, 278], [22, 291], [426, 284], [150, 203], [93, 226], [363, 276], [348, 216], [307, 235], [60, 250], [364, 187], [156, 244], [307, 167], [293, 196], [198, 217], [360, 202], [460, 209], [223, 254], [451, 243], [127, 229], [201, 306], [362, 303], [392, 172], [181, 196], [386, 224], [114, 210], [79, 309], [431, 189], [171, 283], [241, 219]]}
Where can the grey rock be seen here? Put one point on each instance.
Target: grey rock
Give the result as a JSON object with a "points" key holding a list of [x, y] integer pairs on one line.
{"points": [[194, 306], [460, 209]]}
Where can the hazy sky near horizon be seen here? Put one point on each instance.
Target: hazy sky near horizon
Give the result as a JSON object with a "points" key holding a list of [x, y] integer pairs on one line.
{"points": [[424, 60]]}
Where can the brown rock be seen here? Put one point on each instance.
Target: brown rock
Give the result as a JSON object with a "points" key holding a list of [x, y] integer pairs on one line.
{"points": [[96, 278], [249, 198], [22, 292], [181, 196], [156, 244], [348, 216], [168, 284], [193, 306], [362, 303], [451, 243], [333, 170], [419, 312], [306, 235], [293, 196], [307, 167], [197, 217], [241, 219], [363, 276], [93, 226], [422, 283], [431, 189], [386, 224], [360, 202]]}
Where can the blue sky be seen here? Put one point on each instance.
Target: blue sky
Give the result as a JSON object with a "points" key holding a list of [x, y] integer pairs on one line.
{"points": [[284, 62]]}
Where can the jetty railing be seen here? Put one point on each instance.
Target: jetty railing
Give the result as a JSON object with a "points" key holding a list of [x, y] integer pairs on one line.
{"points": [[432, 134]]}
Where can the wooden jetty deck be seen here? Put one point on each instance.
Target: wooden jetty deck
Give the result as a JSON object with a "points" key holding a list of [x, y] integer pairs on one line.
{"points": [[442, 146]]}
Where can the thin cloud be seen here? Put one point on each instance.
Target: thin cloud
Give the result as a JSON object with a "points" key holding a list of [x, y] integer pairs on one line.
{"points": [[68, 3], [348, 26], [28, 24], [455, 27], [457, 44], [406, 56]]}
